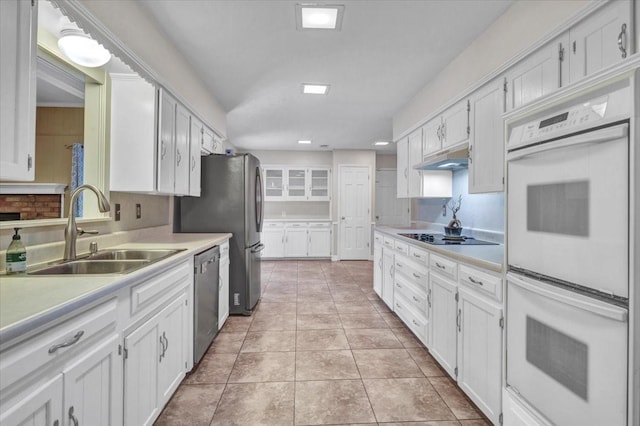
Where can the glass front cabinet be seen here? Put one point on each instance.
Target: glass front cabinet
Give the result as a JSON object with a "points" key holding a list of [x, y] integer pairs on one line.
{"points": [[297, 183]]}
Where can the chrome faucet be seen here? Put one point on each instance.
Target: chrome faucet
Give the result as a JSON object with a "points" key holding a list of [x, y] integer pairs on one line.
{"points": [[72, 231]]}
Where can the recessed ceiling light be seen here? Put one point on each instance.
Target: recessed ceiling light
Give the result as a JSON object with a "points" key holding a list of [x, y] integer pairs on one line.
{"points": [[319, 16], [304, 142], [315, 89], [381, 143]]}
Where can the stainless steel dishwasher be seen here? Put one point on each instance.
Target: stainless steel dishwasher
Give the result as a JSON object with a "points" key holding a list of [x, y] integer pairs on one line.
{"points": [[205, 300]]}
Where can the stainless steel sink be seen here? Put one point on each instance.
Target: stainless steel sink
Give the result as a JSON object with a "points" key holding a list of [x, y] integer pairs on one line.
{"points": [[133, 254], [92, 267], [106, 262]]}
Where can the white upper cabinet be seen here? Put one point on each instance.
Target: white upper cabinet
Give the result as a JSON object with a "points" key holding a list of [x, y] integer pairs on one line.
{"points": [[167, 146], [283, 183], [432, 141], [18, 25], [402, 152], [540, 73], [196, 138], [414, 182], [455, 124], [183, 153], [486, 145], [603, 39]]}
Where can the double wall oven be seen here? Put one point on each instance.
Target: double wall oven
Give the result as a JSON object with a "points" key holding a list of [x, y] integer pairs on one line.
{"points": [[568, 203]]}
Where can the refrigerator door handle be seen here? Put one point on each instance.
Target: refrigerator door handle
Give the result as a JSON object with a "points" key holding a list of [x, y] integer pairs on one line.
{"points": [[258, 248], [259, 200]]}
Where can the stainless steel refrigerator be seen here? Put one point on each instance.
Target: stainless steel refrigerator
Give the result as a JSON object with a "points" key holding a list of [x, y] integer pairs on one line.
{"points": [[231, 200]]}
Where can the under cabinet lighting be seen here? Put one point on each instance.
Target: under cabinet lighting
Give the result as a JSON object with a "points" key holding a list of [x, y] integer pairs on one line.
{"points": [[304, 142], [315, 89], [82, 49], [448, 165], [319, 16]]}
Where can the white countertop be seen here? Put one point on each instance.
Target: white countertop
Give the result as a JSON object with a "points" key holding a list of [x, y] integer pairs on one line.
{"points": [[489, 257], [30, 301], [298, 219]]}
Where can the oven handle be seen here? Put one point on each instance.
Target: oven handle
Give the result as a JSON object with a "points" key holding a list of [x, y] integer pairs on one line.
{"points": [[597, 136], [593, 306]]}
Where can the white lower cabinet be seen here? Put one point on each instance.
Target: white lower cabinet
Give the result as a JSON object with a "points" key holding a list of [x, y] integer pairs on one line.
{"points": [[319, 240], [296, 239], [377, 270], [480, 352], [443, 322], [223, 296], [387, 277], [155, 362], [273, 240], [41, 406]]}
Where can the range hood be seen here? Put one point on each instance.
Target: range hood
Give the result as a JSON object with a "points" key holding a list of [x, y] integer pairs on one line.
{"points": [[454, 159]]}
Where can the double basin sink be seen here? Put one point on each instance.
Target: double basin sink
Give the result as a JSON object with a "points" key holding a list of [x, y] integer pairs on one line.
{"points": [[104, 262]]}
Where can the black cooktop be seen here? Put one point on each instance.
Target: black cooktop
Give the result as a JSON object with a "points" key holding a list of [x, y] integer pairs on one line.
{"points": [[441, 240]]}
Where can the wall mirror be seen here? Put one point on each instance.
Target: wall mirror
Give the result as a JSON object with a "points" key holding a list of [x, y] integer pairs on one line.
{"points": [[71, 133]]}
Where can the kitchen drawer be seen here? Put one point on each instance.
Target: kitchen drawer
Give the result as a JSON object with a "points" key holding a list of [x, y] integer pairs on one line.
{"points": [[320, 225], [297, 225], [417, 297], [416, 322], [414, 272], [388, 242], [402, 247], [224, 250], [148, 293], [378, 238], [444, 267], [418, 255], [53, 343], [482, 282], [273, 225]]}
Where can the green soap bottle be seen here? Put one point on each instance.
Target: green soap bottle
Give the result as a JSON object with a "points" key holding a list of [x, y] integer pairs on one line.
{"points": [[16, 255]]}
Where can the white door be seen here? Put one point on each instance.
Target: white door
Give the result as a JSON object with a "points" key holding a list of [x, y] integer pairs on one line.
{"points": [[167, 147], [295, 242], [40, 407], [377, 270], [402, 153], [390, 210], [319, 241], [602, 39], [455, 122], [173, 355], [355, 212], [93, 386], [195, 144], [273, 240], [183, 154], [443, 322], [18, 87], [387, 277], [480, 353], [486, 145], [223, 295]]}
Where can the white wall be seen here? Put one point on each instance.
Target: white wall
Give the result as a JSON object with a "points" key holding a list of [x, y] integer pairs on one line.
{"points": [[141, 34], [478, 211], [519, 27], [297, 158], [386, 161]]}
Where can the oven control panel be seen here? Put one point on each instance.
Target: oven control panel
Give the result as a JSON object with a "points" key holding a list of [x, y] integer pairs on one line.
{"points": [[562, 122]]}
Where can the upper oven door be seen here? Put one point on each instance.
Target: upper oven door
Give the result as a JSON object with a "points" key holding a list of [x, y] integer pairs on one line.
{"points": [[568, 209]]}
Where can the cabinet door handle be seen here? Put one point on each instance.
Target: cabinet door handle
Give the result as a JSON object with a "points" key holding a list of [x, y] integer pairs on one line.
{"points": [[162, 352], [166, 343], [72, 417], [623, 45], [405, 172], [163, 149], [444, 131], [429, 298], [475, 281], [67, 343], [459, 319], [193, 163], [179, 156]]}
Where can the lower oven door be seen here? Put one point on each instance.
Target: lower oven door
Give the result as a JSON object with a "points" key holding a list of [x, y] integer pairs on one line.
{"points": [[566, 353], [568, 209]]}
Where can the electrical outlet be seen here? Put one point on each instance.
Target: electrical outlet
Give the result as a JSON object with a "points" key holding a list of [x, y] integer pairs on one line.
{"points": [[117, 212], [138, 211], [444, 210]]}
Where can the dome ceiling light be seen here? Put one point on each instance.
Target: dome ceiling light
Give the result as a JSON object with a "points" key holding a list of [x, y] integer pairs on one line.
{"points": [[82, 49]]}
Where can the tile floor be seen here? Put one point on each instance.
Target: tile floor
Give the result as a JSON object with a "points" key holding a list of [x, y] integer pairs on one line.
{"points": [[320, 349]]}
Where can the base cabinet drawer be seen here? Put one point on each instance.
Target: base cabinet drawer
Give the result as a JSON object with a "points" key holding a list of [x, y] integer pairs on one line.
{"points": [[417, 323], [444, 267], [486, 284]]}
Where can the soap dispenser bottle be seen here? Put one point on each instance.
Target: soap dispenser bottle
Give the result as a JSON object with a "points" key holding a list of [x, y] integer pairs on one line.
{"points": [[16, 255]]}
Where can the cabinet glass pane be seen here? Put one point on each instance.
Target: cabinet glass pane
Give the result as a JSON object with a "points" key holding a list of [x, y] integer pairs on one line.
{"points": [[273, 183], [296, 183], [319, 183]]}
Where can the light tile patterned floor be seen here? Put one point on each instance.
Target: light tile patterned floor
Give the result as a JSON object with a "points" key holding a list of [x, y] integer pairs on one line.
{"points": [[320, 349]]}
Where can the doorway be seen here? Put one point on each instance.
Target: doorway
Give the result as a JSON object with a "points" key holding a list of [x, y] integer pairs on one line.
{"points": [[355, 212], [390, 210]]}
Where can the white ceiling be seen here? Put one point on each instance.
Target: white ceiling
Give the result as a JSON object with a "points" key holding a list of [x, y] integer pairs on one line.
{"points": [[254, 60]]}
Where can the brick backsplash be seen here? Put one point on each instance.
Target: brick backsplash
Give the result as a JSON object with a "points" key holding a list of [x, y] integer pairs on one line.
{"points": [[40, 206]]}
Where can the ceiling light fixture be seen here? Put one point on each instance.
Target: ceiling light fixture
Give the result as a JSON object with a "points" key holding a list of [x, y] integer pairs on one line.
{"points": [[381, 143], [82, 49], [304, 142], [315, 89], [319, 16]]}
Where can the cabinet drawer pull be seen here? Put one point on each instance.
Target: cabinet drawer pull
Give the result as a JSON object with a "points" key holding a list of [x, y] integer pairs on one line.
{"points": [[415, 299], [399, 265], [398, 285], [398, 306], [416, 275], [622, 45], [415, 323], [476, 282], [72, 417], [417, 255], [69, 342], [440, 266]]}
